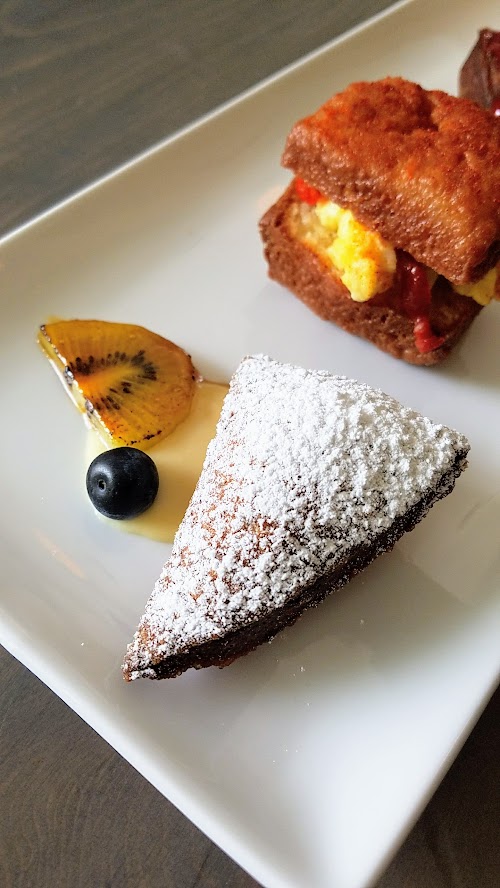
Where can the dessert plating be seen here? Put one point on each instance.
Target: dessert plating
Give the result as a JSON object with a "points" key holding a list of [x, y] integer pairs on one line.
{"points": [[136, 389]]}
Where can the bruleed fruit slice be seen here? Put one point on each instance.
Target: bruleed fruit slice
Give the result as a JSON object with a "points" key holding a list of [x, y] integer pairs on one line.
{"points": [[134, 386]]}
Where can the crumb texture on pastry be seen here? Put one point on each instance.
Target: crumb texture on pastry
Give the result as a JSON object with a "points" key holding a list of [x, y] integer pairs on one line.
{"points": [[420, 167], [307, 472]]}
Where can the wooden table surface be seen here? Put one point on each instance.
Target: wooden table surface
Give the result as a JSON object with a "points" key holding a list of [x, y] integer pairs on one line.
{"points": [[85, 86]]}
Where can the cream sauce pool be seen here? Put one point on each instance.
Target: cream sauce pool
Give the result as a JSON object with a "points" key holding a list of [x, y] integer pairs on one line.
{"points": [[179, 460]]}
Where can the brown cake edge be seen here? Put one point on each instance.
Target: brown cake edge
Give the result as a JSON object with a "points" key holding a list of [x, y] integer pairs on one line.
{"points": [[300, 270], [223, 651]]}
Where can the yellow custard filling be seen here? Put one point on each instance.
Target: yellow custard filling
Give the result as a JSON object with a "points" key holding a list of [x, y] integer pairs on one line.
{"points": [[365, 262]]}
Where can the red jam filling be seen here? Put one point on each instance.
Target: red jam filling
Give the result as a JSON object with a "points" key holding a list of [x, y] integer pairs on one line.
{"points": [[425, 339], [415, 288], [416, 299], [307, 193]]}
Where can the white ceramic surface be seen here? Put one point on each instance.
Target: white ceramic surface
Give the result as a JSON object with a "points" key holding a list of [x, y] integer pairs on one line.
{"points": [[308, 760]]}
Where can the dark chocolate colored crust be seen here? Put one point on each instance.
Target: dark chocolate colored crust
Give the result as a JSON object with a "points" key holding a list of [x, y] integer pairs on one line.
{"points": [[479, 78], [300, 270], [221, 652]]}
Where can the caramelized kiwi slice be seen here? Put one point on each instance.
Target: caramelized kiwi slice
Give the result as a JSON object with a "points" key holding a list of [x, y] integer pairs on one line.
{"points": [[134, 386]]}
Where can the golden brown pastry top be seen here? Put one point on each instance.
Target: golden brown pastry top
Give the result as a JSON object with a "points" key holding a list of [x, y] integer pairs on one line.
{"points": [[421, 167]]}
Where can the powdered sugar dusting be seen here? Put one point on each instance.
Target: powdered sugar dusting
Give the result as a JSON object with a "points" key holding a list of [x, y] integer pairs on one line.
{"points": [[305, 466]]}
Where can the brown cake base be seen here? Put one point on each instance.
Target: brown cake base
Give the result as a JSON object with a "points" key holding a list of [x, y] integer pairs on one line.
{"points": [[221, 652], [300, 270]]}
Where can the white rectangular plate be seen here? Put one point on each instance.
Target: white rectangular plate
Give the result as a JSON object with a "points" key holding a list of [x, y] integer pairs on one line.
{"points": [[308, 760]]}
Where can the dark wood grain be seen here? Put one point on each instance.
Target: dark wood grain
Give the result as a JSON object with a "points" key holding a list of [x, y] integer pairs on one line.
{"points": [[85, 85], [73, 813]]}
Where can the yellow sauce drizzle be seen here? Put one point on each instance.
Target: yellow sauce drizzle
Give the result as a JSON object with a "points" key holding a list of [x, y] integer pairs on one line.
{"points": [[179, 460]]}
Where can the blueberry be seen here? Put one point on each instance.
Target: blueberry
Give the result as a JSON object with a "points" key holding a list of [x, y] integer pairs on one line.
{"points": [[122, 483]]}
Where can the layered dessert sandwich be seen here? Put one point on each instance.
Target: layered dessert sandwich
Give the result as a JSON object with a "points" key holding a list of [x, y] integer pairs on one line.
{"points": [[308, 479], [390, 226]]}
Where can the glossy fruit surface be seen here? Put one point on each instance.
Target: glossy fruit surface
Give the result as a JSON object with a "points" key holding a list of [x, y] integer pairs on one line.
{"points": [[122, 482], [134, 386]]}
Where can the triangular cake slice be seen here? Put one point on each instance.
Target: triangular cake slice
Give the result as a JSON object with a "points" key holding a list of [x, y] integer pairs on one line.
{"points": [[310, 476]]}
